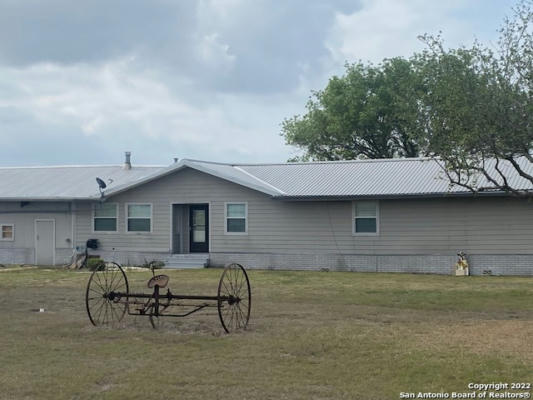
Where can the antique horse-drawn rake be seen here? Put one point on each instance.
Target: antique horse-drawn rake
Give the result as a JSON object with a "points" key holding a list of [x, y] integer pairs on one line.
{"points": [[108, 298]]}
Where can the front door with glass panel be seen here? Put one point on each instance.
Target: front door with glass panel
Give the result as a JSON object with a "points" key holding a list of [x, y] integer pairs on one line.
{"points": [[199, 228]]}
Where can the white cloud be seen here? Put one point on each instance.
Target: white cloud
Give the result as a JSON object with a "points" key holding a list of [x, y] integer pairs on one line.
{"points": [[215, 53], [103, 99], [389, 28]]}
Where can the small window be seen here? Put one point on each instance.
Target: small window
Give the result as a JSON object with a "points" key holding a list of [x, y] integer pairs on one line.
{"points": [[236, 218], [7, 232], [139, 217], [105, 217], [366, 221]]}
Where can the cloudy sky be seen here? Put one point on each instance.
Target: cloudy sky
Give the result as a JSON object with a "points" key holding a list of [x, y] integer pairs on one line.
{"points": [[82, 81]]}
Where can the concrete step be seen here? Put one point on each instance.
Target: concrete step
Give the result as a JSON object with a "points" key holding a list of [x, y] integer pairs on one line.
{"points": [[202, 261], [192, 256], [186, 261], [182, 266]]}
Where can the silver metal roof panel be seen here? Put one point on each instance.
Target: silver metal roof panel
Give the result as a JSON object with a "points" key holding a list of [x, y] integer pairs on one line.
{"points": [[391, 177], [64, 182]]}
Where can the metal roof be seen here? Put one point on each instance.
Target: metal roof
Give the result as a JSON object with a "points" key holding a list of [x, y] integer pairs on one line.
{"points": [[377, 178], [335, 179], [65, 182]]}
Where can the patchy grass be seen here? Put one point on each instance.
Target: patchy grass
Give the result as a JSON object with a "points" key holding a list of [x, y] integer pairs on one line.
{"points": [[313, 335]]}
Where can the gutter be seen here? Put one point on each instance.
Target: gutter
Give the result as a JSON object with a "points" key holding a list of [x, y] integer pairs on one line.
{"points": [[392, 196], [43, 211], [283, 197], [48, 199]]}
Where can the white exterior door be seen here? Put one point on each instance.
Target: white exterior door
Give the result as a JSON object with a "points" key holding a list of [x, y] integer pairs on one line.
{"points": [[44, 242]]}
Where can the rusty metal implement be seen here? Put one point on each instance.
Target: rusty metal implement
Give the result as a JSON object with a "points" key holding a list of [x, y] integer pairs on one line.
{"points": [[108, 299]]}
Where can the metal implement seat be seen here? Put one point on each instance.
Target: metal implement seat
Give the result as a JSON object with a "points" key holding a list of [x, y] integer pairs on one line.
{"points": [[159, 280]]}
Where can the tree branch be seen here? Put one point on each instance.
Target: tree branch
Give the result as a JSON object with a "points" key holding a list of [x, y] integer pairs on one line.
{"points": [[497, 185], [520, 171], [453, 181]]}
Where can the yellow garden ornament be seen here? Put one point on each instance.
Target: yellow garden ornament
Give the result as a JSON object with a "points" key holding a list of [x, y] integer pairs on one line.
{"points": [[461, 267]]}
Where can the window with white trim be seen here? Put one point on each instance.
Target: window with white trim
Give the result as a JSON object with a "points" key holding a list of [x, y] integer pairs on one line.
{"points": [[7, 232], [105, 217], [236, 218], [365, 218], [139, 217]]}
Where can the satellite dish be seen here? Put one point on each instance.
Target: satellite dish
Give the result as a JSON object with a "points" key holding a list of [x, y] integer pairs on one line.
{"points": [[101, 186], [101, 183]]}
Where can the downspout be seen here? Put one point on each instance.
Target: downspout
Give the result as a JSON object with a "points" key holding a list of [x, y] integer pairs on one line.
{"points": [[73, 219]]}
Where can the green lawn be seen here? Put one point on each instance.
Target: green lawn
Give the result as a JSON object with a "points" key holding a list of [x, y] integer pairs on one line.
{"points": [[312, 335]]}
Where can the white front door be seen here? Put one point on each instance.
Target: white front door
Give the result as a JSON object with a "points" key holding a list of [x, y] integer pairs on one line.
{"points": [[44, 242]]}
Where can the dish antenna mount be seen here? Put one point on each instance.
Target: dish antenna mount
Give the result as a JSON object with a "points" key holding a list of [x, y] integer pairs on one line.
{"points": [[101, 186]]}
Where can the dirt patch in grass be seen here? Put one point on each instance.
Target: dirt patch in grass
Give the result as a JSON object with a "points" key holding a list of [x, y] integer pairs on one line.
{"points": [[484, 338]]}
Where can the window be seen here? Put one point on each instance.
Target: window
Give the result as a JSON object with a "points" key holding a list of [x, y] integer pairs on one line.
{"points": [[139, 217], [236, 218], [366, 218], [105, 217], [7, 232]]}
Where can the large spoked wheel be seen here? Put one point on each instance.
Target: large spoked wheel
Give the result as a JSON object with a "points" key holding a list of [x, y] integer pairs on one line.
{"points": [[106, 296], [234, 298]]}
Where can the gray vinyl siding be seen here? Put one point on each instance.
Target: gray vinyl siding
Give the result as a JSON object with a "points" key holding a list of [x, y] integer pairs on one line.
{"points": [[417, 226], [21, 250]]}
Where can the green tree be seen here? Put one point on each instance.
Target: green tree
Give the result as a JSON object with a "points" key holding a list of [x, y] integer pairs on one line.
{"points": [[477, 108], [370, 112]]}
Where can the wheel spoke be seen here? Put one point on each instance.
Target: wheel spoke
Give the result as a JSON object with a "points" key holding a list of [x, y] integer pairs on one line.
{"points": [[241, 281], [239, 291], [230, 282], [227, 312], [119, 284], [237, 317], [106, 316], [103, 284], [244, 316], [100, 304], [100, 309], [113, 276], [236, 282], [227, 290], [99, 301], [237, 276], [230, 290], [104, 273], [237, 321], [99, 283], [231, 319], [115, 313], [96, 291], [238, 307]]}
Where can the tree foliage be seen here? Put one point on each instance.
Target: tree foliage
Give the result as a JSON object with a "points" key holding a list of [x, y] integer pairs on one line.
{"points": [[468, 108], [369, 112], [478, 109]]}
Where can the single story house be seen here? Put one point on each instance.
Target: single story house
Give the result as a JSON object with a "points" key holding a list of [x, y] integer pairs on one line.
{"points": [[393, 215]]}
